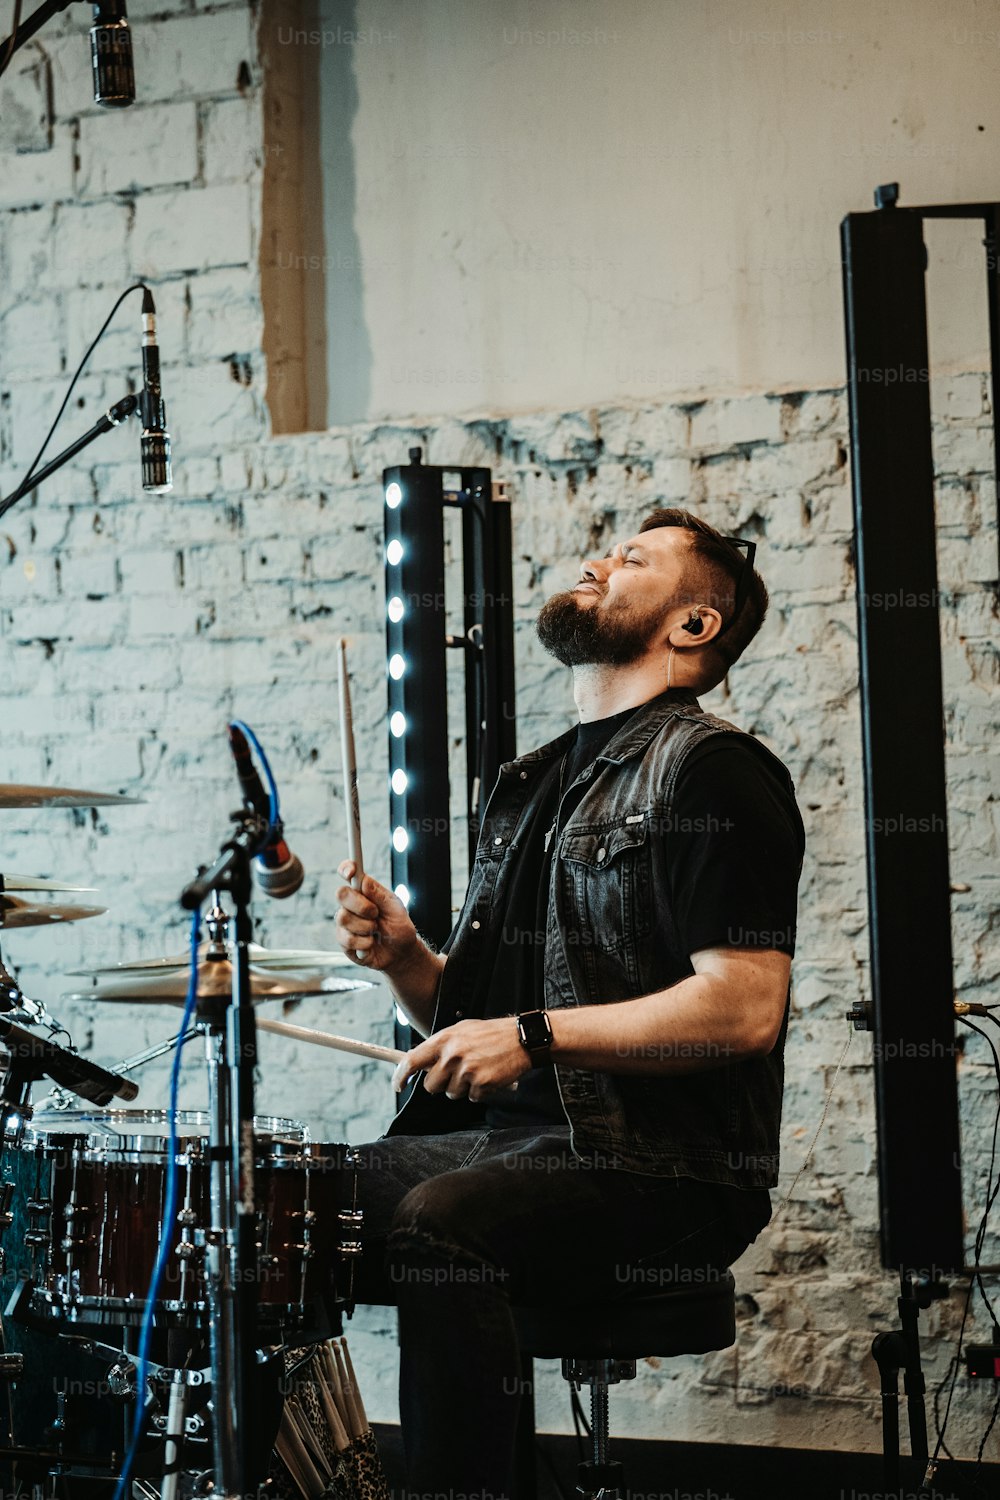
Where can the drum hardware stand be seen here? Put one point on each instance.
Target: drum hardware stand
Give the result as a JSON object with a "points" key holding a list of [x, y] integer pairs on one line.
{"points": [[900, 1350], [15, 1004], [230, 1242], [61, 1099]]}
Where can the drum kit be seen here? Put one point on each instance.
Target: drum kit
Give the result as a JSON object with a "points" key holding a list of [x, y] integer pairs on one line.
{"points": [[84, 1220]]}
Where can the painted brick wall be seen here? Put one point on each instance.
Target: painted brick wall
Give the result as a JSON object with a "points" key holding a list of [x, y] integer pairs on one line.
{"points": [[132, 627]]}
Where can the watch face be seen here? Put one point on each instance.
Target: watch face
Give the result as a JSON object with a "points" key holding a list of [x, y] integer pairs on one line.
{"points": [[535, 1030]]}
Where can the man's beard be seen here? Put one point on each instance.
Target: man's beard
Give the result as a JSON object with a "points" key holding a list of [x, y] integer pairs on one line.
{"points": [[582, 635]]}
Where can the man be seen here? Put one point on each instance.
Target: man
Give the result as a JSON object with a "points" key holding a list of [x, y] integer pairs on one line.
{"points": [[602, 1073]]}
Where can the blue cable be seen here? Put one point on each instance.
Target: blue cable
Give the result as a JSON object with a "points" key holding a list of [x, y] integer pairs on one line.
{"points": [[169, 1215], [170, 1196], [274, 810]]}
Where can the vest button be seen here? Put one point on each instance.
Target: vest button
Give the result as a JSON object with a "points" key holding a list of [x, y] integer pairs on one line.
{"points": [[600, 854], [459, 1014], [498, 841], [475, 926], [524, 775]]}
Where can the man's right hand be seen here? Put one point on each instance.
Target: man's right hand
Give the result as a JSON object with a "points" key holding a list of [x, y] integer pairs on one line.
{"points": [[372, 924]]}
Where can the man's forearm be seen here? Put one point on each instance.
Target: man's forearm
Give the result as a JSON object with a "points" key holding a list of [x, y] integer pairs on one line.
{"points": [[414, 983], [686, 1028]]}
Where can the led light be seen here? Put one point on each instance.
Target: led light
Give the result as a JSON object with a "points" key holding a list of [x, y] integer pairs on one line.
{"points": [[397, 725], [393, 495], [395, 609], [397, 666], [400, 839], [400, 781], [403, 894], [394, 552]]}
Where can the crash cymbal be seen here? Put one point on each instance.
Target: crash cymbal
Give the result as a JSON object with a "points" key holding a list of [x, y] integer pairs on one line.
{"points": [[51, 796], [32, 883], [215, 977], [15, 913], [262, 958]]}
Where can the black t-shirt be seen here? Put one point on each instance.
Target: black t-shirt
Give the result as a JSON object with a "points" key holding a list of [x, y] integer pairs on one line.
{"points": [[735, 887]]}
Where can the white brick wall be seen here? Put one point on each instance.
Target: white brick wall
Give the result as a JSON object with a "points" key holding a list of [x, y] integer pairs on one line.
{"points": [[132, 627]]}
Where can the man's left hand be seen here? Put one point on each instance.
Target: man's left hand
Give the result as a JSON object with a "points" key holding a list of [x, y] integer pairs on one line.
{"points": [[467, 1060]]}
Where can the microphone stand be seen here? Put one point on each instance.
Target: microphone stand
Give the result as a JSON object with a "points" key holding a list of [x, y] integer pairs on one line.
{"points": [[231, 1248], [113, 417], [27, 28]]}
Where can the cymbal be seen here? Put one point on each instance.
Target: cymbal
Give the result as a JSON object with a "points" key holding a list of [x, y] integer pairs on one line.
{"points": [[50, 796], [15, 913], [32, 883], [261, 958], [215, 977]]}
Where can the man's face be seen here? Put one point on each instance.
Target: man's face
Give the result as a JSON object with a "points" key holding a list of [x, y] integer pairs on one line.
{"points": [[623, 605]]}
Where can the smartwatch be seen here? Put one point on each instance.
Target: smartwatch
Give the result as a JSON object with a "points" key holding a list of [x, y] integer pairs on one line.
{"points": [[535, 1034]]}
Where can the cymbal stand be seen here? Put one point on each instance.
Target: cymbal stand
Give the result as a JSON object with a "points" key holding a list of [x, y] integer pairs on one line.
{"points": [[59, 1099], [230, 1242]]}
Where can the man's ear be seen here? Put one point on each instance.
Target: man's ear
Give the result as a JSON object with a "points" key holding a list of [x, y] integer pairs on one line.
{"points": [[702, 624]]}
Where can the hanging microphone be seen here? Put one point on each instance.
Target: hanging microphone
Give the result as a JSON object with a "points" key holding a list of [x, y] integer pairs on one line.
{"points": [[156, 476], [276, 869], [111, 55]]}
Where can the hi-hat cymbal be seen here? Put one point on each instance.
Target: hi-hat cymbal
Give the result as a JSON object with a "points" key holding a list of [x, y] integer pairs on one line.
{"points": [[278, 959], [51, 796], [15, 913], [33, 883], [215, 977]]}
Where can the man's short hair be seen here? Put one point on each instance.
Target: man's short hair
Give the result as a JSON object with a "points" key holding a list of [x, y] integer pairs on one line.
{"points": [[712, 579]]}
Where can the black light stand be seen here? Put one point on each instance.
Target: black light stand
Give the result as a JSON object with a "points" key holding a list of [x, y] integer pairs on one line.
{"points": [[912, 1010], [417, 641], [230, 1242]]}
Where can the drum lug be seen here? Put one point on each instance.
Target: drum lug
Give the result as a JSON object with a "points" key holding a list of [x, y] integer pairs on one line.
{"points": [[11, 1366], [351, 1218], [350, 1248]]}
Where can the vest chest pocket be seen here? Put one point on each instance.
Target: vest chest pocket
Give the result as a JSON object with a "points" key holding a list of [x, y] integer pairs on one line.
{"points": [[609, 868]]}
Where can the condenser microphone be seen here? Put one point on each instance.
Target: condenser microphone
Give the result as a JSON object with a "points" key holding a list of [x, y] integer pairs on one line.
{"points": [[111, 55], [156, 476], [277, 871]]}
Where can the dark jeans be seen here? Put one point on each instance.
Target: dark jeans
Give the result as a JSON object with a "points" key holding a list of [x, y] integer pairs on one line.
{"points": [[458, 1227]]}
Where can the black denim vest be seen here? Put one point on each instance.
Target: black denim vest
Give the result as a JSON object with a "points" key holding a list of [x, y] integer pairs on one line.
{"points": [[610, 937]]}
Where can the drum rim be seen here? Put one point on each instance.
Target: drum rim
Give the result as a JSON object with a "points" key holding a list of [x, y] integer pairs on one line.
{"points": [[140, 1145]]}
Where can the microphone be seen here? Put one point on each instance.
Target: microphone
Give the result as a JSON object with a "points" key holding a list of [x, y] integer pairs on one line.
{"points": [[156, 475], [276, 869], [111, 55]]}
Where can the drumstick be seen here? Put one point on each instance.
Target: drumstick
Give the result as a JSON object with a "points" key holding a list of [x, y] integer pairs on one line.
{"points": [[293, 1455], [365, 1424], [350, 771], [310, 1442], [328, 1039], [356, 1425], [341, 1436], [337, 1378]]}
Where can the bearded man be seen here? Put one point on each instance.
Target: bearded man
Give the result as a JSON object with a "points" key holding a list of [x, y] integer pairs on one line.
{"points": [[602, 1072]]}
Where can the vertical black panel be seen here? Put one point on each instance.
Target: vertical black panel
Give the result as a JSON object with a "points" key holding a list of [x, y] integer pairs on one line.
{"points": [[489, 623], [992, 244], [903, 740]]}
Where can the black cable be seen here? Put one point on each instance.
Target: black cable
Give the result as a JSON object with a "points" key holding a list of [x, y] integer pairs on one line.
{"points": [[137, 287], [975, 1278], [12, 42]]}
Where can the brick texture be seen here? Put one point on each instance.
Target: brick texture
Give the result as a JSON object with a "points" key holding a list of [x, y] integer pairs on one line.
{"points": [[133, 626]]}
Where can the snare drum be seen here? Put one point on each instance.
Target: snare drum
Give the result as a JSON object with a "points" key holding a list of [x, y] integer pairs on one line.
{"points": [[91, 1190], [86, 1196]]}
